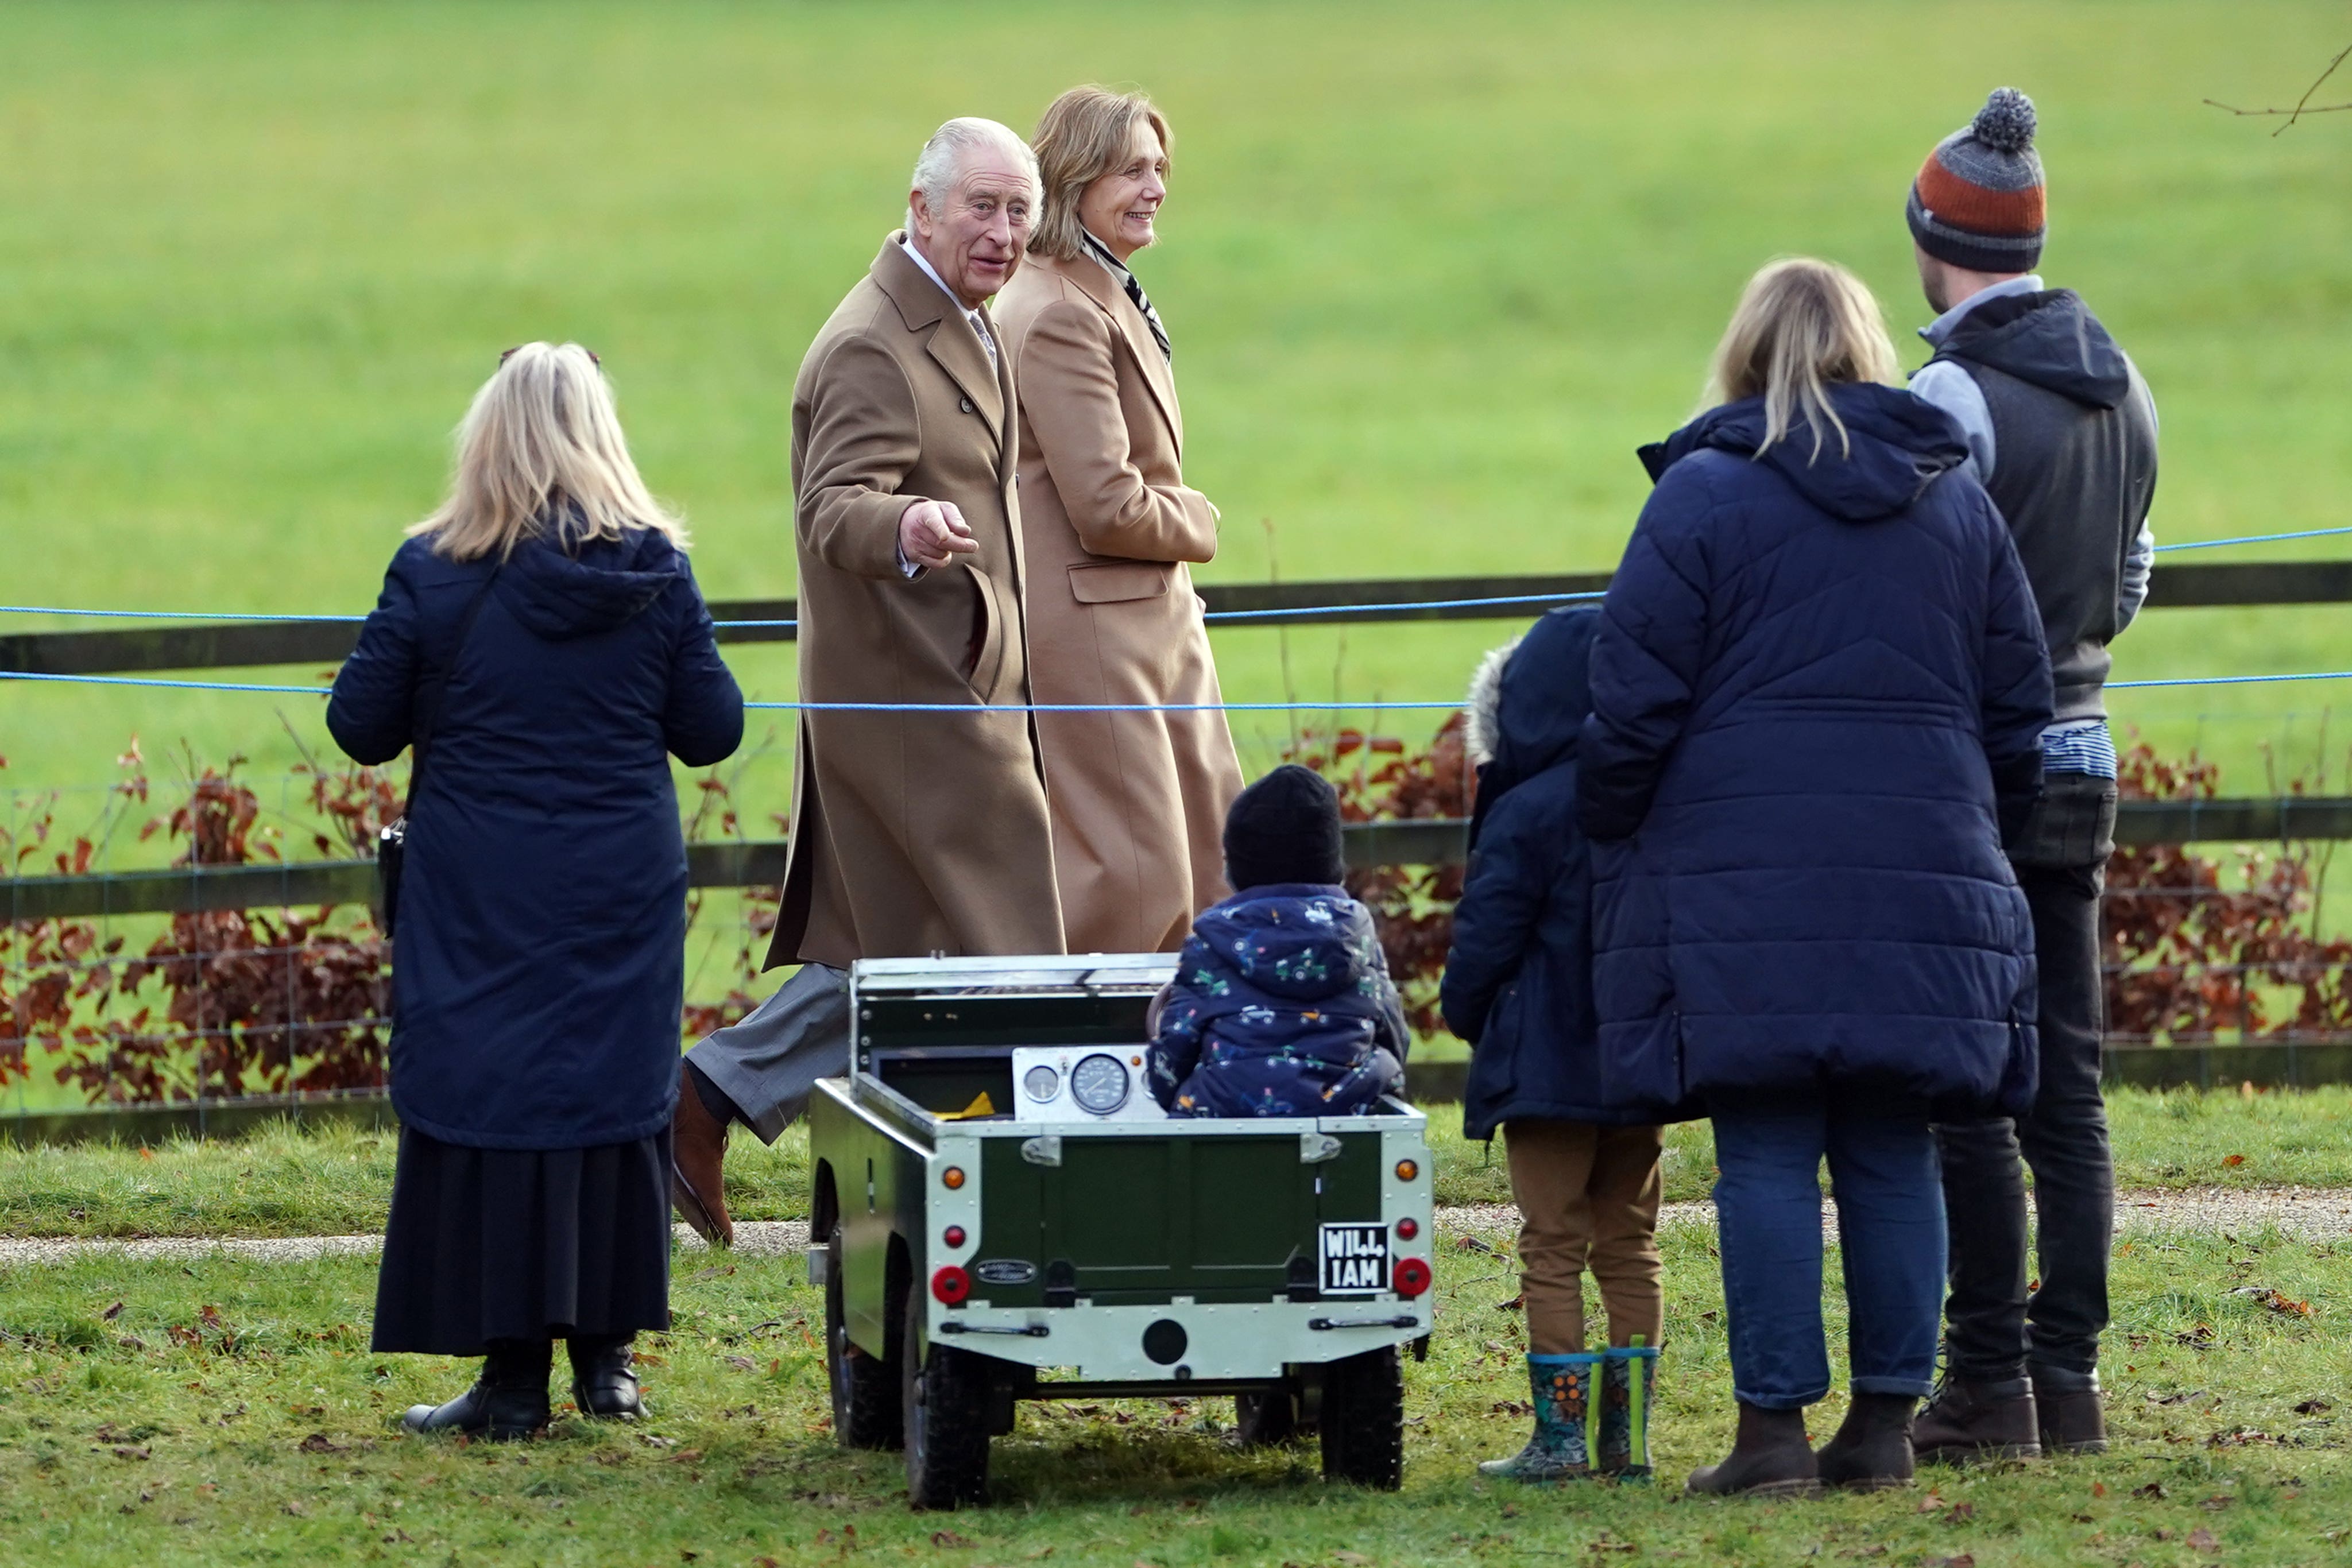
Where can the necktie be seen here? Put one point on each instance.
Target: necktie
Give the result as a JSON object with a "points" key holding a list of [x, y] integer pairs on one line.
{"points": [[1101, 253]]}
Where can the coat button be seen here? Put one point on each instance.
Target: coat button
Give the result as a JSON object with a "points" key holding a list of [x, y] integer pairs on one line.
{"points": [[967, 405]]}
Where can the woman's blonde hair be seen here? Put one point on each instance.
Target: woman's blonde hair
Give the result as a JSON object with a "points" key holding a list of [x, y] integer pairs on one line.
{"points": [[542, 449], [1082, 136], [1802, 326]]}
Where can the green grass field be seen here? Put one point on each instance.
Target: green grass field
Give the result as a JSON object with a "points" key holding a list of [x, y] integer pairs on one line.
{"points": [[330, 1180], [1433, 271], [229, 1412]]}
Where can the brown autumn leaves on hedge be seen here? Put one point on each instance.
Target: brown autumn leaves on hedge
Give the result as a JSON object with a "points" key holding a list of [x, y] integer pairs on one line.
{"points": [[230, 1003]]}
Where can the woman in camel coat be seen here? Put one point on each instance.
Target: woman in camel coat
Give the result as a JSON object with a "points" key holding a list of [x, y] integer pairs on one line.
{"points": [[1108, 524]]}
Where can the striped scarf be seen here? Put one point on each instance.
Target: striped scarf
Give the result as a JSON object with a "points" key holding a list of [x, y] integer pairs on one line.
{"points": [[1101, 253]]}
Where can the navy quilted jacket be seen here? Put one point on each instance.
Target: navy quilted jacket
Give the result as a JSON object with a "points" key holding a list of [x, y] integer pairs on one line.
{"points": [[540, 959], [1518, 978], [1282, 1006], [1818, 692]]}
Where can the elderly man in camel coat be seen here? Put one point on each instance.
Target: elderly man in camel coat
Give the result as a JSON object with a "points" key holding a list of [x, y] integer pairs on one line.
{"points": [[1140, 798], [915, 832]]}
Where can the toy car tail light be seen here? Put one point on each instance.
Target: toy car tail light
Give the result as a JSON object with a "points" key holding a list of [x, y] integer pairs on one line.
{"points": [[1407, 1228], [952, 1235], [952, 1284], [1412, 1277]]}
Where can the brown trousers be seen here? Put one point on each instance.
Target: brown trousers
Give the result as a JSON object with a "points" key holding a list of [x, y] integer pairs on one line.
{"points": [[1588, 1198]]}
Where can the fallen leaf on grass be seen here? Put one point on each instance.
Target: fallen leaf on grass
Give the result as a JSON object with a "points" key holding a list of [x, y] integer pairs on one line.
{"points": [[110, 1313], [319, 1443], [295, 1508], [1350, 1559], [1960, 1513], [2183, 1397], [2202, 1540], [645, 1358], [2235, 1160], [132, 1451], [949, 1538], [2314, 1405], [1512, 1408], [2152, 1492], [742, 1363], [1963, 1559], [686, 1457]]}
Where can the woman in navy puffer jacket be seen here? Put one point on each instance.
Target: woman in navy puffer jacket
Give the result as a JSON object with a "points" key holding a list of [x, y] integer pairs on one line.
{"points": [[542, 645], [1818, 693]]}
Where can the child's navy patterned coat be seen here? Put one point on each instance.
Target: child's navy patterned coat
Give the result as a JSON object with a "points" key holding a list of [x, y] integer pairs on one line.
{"points": [[1282, 1006]]}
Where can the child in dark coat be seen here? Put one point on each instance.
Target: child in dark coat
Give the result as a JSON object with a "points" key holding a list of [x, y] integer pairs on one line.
{"points": [[1282, 1004], [1518, 986]]}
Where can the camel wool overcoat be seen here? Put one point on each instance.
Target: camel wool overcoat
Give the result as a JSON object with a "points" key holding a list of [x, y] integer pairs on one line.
{"points": [[1139, 798], [912, 833]]}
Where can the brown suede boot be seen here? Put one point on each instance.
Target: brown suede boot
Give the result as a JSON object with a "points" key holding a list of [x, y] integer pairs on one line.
{"points": [[1768, 1458], [1970, 1421], [2073, 1420], [697, 1153], [1872, 1450]]}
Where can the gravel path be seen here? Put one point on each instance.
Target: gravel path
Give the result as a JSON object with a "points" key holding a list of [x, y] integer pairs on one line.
{"points": [[2311, 1214]]}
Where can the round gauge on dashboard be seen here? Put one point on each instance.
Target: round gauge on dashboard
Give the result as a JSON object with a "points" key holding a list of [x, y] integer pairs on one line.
{"points": [[1098, 1083], [1041, 1083]]}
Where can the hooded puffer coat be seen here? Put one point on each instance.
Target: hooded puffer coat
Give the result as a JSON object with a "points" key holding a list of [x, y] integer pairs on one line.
{"points": [[1282, 1006], [1818, 693], [1518, 978], [538, 961]]}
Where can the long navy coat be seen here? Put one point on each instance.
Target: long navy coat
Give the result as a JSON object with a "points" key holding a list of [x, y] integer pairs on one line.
{"points": [[539, 962], [1518, 978], [1818, 693]]}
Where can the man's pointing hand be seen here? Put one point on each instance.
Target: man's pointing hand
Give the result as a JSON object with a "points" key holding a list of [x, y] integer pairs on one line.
{"points": [[934, 533]]}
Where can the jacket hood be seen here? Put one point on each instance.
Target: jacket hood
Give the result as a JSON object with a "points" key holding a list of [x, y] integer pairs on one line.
{"points": [[1528, 701], [1298, 941], [560, 592], [1899, 445], [2049, 338]]}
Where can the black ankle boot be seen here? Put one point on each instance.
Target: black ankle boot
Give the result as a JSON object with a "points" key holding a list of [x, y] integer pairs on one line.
{"points": [[509, 1400], [1872, 1450], [1770, 1457], [603, 1385]]}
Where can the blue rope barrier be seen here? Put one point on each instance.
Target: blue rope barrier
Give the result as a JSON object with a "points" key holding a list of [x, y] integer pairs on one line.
{"points": [[1373, 705], [2254, 539], [165, 614], [2233, 680], [1415, 604]]}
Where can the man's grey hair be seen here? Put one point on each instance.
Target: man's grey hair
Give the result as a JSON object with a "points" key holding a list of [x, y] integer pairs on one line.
{"points": [[944, 155]]}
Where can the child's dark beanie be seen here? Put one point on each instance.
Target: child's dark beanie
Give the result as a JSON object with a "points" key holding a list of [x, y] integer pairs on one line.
{"points": [[1979, 201], [1284, 827]]}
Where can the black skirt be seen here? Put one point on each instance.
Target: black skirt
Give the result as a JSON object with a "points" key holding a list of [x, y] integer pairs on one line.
{"points": [[522, 1244]]}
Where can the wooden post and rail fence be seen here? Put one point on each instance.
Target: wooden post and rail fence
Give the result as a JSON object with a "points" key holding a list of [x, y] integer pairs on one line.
{"points": [[760, 863]]}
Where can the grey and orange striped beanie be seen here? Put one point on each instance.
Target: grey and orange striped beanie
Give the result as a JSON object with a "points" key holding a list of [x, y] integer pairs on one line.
{"points": [[1979, 201]]}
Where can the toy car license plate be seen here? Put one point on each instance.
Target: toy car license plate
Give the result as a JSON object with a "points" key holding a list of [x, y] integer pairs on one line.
{"points": [[1355, 1260]]}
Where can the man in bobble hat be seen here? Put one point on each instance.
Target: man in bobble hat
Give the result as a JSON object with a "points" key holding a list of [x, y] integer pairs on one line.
{"points": [[2061, 432]]}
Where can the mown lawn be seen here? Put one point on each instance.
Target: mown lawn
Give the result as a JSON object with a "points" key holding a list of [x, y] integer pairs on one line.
{"points": [[228, 1412], [1433, 272], [335, 1180]]}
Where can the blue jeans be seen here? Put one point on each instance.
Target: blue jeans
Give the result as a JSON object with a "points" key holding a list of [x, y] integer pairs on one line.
{"points": [[1890, 1210]]}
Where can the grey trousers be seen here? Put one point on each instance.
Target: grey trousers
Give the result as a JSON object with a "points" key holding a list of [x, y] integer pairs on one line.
{"points": [[769, 1063]]}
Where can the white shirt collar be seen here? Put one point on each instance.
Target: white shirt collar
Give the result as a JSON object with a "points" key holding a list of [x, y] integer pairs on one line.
{"points": [[1938, 330], [979, 324]]}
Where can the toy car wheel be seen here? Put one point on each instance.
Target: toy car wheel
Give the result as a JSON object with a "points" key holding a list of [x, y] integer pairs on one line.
{"points": [[1363, 1420], [1270, 1419], [946, 1422], [865, 1387]]}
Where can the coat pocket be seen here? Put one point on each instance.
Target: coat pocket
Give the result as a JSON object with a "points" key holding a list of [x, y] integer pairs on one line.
{"points": [[984, 653], [1113, 582]]}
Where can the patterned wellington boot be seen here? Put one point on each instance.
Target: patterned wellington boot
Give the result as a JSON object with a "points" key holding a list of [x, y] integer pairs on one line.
{"points": [[1629, 1382], [1561, 1447]]}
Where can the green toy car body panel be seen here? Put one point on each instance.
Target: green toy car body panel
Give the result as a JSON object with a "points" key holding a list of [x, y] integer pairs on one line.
{"points": [[1119, 1251]]}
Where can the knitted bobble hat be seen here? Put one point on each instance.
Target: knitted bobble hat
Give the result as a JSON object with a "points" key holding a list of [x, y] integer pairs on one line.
{"points": [[1284, 829], [1978, 200]]}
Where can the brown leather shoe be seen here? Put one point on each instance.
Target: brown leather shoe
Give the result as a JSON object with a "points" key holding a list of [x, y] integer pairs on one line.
{"points": [[698, 1177], [1971, 1421], [1770, 1457], [2073, 1420]]}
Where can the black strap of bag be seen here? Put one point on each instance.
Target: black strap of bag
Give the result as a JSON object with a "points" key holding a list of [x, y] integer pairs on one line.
{"points": [[392, 839]]}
